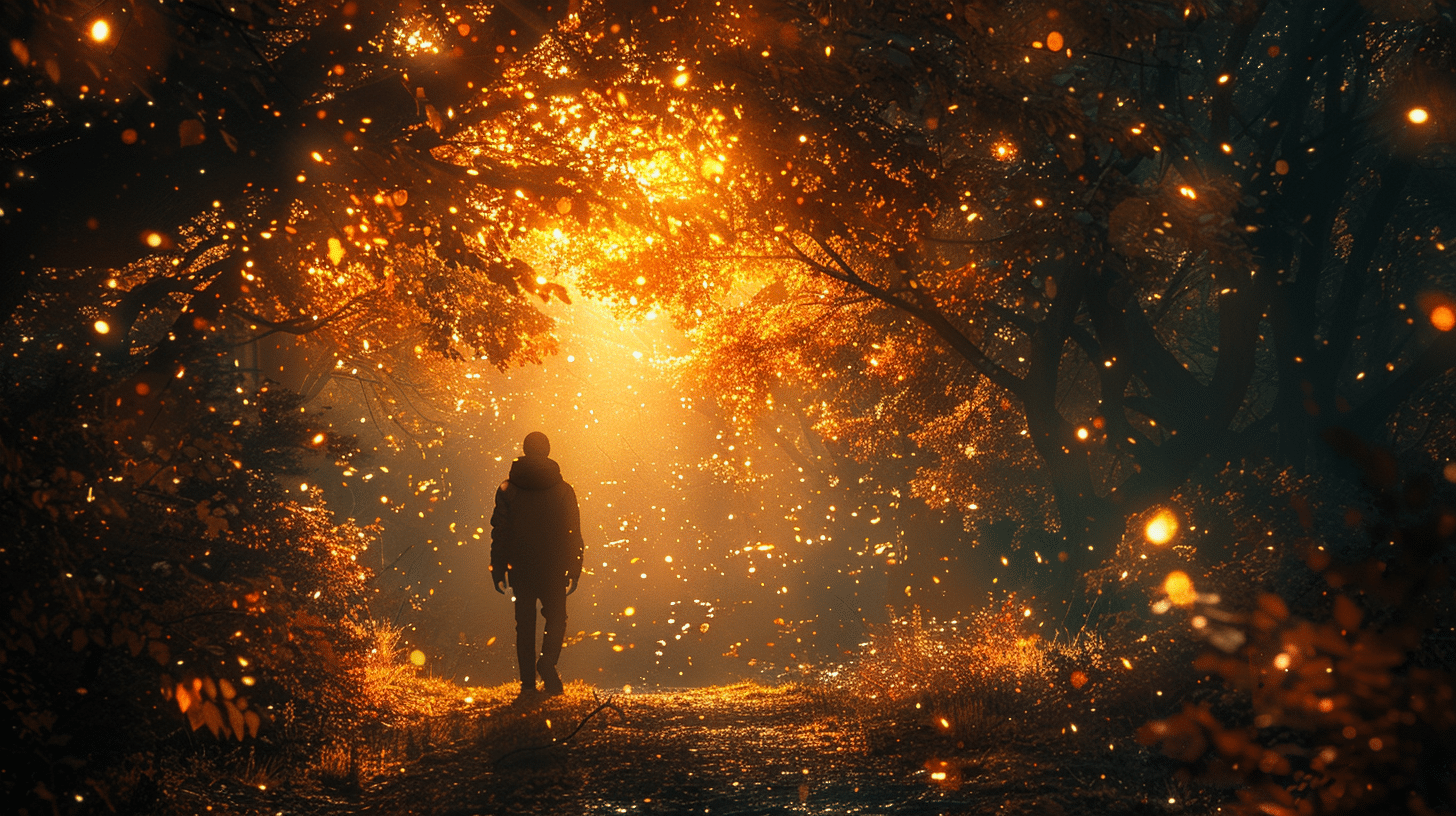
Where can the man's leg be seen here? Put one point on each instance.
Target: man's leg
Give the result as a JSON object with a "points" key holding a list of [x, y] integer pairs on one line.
{"points": [[526, 635], [553, 609]]}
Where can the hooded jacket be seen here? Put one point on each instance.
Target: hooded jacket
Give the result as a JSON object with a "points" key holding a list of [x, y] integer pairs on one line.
{"points": [[535, 530]]}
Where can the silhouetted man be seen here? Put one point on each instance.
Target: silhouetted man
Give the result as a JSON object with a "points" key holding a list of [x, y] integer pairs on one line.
{"points": [[535, 545]]}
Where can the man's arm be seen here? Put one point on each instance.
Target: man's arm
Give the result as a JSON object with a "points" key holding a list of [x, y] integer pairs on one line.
{"points": [[500, 536], [575, 543]]}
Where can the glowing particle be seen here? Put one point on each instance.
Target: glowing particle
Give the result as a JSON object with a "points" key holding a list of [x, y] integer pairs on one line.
{"points": [[1161, 527], [1180, 588], [1082, 433], [101, 327], [417, 657], [336, 251], [681, 79], [154, 239], [1418, 116], [1079, 679], [629, 611], [1054, 41], [1127, 664], [101, 30], [1281, 661], [1443, 318], [1188, 193], [318, 439]]}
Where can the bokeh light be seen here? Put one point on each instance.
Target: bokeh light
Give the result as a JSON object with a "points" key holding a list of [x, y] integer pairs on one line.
{"points": [[1180, 588], [1161, 527]]}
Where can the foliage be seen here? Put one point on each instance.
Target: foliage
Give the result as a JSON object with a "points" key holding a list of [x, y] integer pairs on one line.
{"points": [[159, 578], [1183, 232], [1349, 686]]}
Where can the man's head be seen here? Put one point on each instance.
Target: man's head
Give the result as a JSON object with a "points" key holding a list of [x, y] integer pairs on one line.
{"points": [[536, 444]]}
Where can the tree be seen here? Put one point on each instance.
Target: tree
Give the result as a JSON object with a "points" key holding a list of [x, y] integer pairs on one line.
{"points": [[1163, 237]]}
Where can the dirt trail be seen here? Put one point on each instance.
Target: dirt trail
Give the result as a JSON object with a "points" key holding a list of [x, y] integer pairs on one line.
{"points": [[735, 750]]}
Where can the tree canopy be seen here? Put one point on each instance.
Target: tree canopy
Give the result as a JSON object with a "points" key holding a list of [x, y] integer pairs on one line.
{"points": [[1038, 264]]}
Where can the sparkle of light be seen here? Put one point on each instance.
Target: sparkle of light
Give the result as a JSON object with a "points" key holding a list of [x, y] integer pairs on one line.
{"points": [[1180, 588], [1443, 318], [1418, 116], [1162, 527], [102, 327], [100, 30]]}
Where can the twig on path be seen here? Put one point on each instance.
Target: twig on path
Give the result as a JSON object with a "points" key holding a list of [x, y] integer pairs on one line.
{"points": [[607, 704]]}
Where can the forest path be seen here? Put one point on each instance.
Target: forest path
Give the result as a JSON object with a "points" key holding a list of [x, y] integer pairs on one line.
{"points": [[737, 750]]}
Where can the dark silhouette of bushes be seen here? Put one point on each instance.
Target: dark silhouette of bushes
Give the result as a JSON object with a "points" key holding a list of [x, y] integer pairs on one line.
{"points": [[163, 589], [1342, 698]]}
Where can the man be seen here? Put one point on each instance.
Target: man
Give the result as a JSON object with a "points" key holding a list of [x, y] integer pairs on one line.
{"points": [[535, 545]]}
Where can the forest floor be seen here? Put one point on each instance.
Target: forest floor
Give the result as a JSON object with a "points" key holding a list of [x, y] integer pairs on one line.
{"points": [[742, 750]]}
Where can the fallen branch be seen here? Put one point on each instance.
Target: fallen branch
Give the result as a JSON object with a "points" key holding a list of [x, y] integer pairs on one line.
{"points": [[607, 704]]}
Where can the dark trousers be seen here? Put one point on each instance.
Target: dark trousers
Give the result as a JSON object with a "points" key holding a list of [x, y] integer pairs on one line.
{"points": [[551, 595]]}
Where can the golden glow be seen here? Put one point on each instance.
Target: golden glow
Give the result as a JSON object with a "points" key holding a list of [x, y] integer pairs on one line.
{"points": [[102, 327], [1418, 116], [417, 657], [318, 439], [1082, 434], [154, 239], [1188, 192], [1054, 41], [100, 31], [1180, 588], [629, 611], [1161, 527], [1443, 318]]}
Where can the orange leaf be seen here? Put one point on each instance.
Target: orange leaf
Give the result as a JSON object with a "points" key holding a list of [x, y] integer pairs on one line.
{"points": [[235, 720]]}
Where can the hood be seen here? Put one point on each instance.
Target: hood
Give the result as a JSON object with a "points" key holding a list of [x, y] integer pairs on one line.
{"points": [[535, 473]]}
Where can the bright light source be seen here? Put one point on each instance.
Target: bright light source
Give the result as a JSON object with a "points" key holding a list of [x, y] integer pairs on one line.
{"points": [[100, 30], [1443, 318], [1180, 588], [417, 657], [1162, 527], [1188, 192], [1082, 433], [1418, 116], [102, 327], [154, 239]]}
